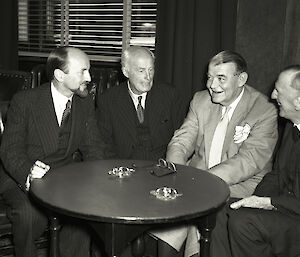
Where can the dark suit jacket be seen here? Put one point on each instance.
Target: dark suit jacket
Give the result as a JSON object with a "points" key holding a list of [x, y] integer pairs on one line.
{"points": [[31, 133], [283, 183], [117, 119]]}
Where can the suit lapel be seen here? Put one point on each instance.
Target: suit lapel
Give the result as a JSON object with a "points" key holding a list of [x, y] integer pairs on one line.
{"points": [[126, 111], [45, 119], [77, 124], [238, 116], [211, 119], [153, 103]]}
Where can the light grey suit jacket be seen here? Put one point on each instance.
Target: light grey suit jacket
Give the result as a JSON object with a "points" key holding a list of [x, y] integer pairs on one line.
{"points": [[243, 164]]}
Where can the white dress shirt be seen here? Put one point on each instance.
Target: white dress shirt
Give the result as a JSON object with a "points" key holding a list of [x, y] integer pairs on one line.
{"points": [[59, 101], [232, 105], [134, 97]]}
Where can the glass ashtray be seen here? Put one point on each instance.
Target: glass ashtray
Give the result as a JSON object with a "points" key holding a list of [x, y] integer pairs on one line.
{"points": [[165, 193], [121, 172]]}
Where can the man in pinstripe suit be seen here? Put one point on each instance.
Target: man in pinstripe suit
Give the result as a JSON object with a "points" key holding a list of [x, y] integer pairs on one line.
{"points": [[126, 135], [40, 135], [129, 132]]}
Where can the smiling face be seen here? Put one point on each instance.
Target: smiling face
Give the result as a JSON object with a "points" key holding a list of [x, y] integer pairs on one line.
{"points": [[286, 96], [224, 83]]}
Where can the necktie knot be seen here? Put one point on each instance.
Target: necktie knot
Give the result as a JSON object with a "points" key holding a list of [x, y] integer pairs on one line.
{"points": [[225, 114], [140, 110], [140, 100]]}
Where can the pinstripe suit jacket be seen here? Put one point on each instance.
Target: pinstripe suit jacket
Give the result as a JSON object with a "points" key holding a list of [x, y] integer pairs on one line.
{"points": [[32, 132], [117, 119]]}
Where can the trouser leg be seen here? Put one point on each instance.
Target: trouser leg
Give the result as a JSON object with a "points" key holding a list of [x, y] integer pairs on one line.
{"points": [[255, 232], [28, 222], [75, 239], [165, 250]]}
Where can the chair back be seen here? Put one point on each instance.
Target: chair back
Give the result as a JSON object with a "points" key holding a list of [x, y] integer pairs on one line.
{"points": [[12, 82]]}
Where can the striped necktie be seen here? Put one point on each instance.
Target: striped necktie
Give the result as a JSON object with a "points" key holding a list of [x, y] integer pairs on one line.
{"points": [[66, 113]]}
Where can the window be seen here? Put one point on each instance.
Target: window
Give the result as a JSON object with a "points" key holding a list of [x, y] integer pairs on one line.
{"points": [[102, 28]]}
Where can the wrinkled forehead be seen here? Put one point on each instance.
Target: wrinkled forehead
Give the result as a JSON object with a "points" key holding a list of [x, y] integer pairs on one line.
{"points": [[142, 60]]}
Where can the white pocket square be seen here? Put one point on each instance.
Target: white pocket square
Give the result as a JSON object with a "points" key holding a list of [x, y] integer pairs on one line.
{"points": [[241, 133]]}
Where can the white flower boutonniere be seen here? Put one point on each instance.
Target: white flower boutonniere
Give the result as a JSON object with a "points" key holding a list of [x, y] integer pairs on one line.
{"points": [[241, 133]]}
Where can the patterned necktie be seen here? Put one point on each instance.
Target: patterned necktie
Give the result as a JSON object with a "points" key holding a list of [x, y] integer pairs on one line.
{"points": [[66, 113], [217, 142], [140, 110]]}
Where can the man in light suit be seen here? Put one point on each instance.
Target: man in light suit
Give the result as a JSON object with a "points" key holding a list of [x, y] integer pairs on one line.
{"points": [[241, 151], [41, 134]]}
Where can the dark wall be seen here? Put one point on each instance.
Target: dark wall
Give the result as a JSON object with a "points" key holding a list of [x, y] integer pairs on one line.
{"points": [[262, 38]]}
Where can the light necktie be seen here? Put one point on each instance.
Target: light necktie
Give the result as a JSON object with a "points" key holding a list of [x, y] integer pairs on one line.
{"points": [[66, 113], [217, 142], [140, 110]]}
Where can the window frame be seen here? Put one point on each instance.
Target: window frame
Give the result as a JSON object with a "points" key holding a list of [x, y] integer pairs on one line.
{"points": [[127, 30]]}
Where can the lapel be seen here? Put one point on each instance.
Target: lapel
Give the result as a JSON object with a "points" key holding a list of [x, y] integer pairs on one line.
{"points": [[238, 116], [45, 118], [211, 119], [125, 110], [153, 108], [77, 126]]}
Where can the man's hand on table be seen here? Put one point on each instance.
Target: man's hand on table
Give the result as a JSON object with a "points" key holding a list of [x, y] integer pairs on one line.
{"points": [[38, 170]]}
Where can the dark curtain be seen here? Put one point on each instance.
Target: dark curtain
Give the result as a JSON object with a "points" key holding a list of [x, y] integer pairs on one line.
{"points": [[188, 34], [268, 37], [9, 34], [291, 47]]}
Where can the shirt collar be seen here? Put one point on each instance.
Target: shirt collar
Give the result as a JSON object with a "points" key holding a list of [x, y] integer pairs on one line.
{"points": [[134, 96], [233, 105], [59, 97], [297, 125]]}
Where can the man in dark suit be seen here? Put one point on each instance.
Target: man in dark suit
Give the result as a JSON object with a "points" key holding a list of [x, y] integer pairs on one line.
{"points": [[272, 226], [138, 118], [133, 128], [45, 127]]}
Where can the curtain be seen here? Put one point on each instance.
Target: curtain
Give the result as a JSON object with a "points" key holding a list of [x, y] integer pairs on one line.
{"points": [[291, 45], [9, 34], [268, 37], [188, 34]]}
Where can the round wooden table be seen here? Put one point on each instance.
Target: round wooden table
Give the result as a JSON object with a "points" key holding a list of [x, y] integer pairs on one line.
{"points": [[85, 190]]}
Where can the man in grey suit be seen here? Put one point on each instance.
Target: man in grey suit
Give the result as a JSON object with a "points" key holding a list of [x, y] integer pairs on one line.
{"points": [[45, 127], [230, 131]]}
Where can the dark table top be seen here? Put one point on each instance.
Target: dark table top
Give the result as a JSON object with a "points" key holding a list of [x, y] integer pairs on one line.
{"points": [[85, 190]]}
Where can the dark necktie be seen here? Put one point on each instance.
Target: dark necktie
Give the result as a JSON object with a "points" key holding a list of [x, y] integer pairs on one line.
{"points": [[66, 113], [140, 110]]}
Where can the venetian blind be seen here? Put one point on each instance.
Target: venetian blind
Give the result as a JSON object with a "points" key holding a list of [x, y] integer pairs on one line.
{"points": [[100, 28]]}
